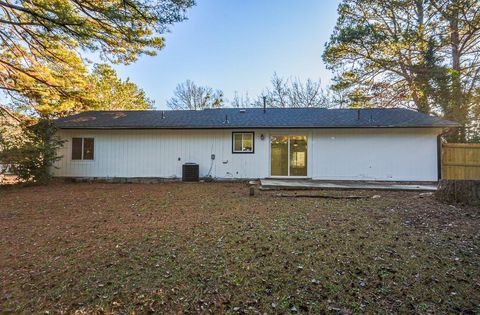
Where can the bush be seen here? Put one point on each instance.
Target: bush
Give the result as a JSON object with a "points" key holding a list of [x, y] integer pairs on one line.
{"points": [[31, 153]]}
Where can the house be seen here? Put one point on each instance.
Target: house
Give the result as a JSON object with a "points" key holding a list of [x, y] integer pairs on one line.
{"points": [[317, 143]]}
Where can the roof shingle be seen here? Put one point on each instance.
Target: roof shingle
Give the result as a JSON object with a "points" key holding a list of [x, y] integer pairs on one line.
{"points": [[234, 118]]}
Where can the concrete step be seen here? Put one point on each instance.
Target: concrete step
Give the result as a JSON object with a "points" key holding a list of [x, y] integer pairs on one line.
{"points": [[277, 184]]}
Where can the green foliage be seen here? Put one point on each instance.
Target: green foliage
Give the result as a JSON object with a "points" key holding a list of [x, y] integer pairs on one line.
{"points": [[377, 42], [474, 127], [40, 41], [414, 53], [76, 90], [48, 87], [120, 29], [32, 153], [111, 93]]}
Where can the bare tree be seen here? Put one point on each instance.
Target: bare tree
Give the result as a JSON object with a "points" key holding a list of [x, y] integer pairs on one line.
{"points": [[189, 96], [295, 93], [242, 101]]}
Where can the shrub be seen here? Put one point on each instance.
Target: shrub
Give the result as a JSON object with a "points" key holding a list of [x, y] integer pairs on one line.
{"points": [[31, 153]]}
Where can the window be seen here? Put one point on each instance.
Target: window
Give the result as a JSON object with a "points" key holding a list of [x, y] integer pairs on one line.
{"points": [[77, 148], [88, 148], [82, 148], [243, 142]]}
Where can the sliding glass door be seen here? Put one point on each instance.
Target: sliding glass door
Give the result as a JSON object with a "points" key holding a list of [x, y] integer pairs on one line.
{"points": [[288, 156], [279, 152]]}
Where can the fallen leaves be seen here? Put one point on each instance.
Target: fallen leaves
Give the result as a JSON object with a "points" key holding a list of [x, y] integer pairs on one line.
{"points": [[106, 248]]}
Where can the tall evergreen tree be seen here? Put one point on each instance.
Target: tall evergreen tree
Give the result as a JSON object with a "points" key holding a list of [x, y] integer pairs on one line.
{"points": [[40, 41], [422, 54], [109, 92]]}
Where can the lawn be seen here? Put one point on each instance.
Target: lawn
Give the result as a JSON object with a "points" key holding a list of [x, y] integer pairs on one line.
{"points": [[211, 248]]}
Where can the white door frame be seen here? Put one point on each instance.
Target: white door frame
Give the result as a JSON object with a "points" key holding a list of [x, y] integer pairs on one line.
{"points": [[288, 134]]}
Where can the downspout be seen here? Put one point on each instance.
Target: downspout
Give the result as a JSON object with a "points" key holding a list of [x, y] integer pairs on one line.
{"points": [[439, 154]]}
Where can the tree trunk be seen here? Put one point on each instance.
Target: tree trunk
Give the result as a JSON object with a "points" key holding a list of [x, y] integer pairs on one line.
{"points": [[419, 84], [459, 191], [457, 111]]}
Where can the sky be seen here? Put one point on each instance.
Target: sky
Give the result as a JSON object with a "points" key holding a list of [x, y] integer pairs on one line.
{"points": [[237, 45]]}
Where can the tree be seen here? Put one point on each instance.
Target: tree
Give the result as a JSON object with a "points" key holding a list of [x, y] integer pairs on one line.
{"points": [[57, 88], [190, 96], [376, 50], [111, 93], [460, 19], [395, 53], [31, 153], [9, 125], [474, 130], [295, 93], [242, 101], [75, 89], [40, 41]]}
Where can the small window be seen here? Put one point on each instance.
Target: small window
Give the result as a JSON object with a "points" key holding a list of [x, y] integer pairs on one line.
{"points": [[82, 148], [88, 148], [77, 148], [243, 142]]}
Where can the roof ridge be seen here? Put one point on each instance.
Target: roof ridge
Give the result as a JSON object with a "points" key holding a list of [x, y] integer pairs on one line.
{"points": [[245, 108]]}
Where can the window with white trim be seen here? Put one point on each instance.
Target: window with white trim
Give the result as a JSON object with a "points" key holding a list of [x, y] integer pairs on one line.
{"points": [[83, 148], [243, 142]]}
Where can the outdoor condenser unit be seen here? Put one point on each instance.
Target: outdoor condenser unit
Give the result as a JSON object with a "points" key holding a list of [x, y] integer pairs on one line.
{"points": [[190, 172]]}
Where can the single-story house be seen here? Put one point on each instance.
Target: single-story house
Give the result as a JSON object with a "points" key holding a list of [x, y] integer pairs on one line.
{"points": [[230, 143]]}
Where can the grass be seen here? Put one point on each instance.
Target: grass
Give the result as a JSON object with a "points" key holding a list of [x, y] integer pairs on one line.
{"points": [[209, 247]]}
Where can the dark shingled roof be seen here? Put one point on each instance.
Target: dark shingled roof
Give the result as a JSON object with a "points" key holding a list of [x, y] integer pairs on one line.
{"points": [[234, 118]]}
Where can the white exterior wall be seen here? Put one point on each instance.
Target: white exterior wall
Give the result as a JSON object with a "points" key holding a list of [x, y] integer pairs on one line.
{"points": [[333, 154], [376, 154], [156, 153]]}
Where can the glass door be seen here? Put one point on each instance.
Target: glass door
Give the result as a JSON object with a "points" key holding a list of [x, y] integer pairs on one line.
{"points": [[289, 156], [298, 156], [279, 152]]}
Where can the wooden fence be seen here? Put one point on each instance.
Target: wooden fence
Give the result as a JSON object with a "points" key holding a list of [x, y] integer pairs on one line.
{"points": [[460, 161]]}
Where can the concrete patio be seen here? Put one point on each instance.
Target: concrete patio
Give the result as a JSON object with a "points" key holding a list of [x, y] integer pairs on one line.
{"points": [[303, 184]]}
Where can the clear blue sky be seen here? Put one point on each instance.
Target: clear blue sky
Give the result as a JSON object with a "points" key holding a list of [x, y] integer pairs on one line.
{"points": [[237, 45]]}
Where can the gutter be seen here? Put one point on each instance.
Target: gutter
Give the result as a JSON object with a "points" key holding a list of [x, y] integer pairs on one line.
{"points": [[439, 152]]}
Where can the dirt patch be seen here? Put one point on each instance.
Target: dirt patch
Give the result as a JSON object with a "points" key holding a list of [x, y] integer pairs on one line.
{"points": [[201, 247]]}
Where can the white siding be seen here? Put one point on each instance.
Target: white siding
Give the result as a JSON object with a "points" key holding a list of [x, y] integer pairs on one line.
{"points": [[161, 153], [374, 154]]}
